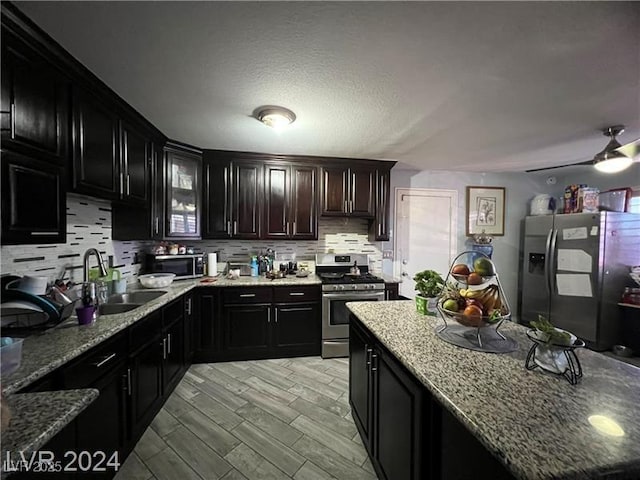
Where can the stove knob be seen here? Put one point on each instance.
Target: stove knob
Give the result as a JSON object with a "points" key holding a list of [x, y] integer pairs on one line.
{"points": [[354, 287], [341, 287]]}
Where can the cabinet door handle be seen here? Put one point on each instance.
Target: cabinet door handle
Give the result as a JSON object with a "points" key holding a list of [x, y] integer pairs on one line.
{"points": [[129, 381], [379, 229], [104, 360], [276, 312], [293, 231], [164, 348], [296, 294], [374, 363], [43, 233], [287, 228], [122, 183], [247, 295], [368, 356], [13, 120], [128, 184], [156, 225], [351, 203], [188, 307], [269, 316], [235, 227], [168, 343], [346, 206]]}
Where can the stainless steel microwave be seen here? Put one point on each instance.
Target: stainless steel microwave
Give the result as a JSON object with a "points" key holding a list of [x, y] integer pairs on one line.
{"points": [[184, 266]]}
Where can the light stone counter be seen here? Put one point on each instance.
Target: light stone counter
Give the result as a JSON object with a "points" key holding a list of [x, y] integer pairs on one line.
{"points": [[536, 424], [262, 281], [37, 417], [43, 353]]}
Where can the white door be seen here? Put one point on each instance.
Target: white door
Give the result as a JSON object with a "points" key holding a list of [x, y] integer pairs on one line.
{"points": [[426, 233]]}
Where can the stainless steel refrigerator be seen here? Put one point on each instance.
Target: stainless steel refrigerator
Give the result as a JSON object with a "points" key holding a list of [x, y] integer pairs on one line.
{"points": [[574, 270]]}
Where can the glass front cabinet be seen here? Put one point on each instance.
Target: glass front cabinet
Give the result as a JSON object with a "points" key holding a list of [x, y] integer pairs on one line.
{"points": [[183, 191]]}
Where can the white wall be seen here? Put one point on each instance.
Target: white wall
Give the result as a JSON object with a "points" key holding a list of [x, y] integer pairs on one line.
{"points": [[520, 188]]}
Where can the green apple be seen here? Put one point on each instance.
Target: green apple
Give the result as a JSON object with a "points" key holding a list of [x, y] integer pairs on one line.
{"points": [[451, 305]]}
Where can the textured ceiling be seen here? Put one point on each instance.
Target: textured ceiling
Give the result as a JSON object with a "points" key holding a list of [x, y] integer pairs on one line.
{"points": [[478, 86]]}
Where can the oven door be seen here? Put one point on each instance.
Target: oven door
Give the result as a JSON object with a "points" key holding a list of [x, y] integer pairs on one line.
{"points": [[335, 314]]}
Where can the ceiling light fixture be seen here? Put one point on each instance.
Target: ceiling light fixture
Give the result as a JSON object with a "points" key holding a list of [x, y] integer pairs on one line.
{"points": [[275, 117], [610, 160]]}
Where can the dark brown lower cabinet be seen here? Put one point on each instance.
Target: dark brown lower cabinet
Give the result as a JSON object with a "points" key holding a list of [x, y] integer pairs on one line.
{"points": [[102, 426], [246, 330], [391, 291], [145, 377], [407, 433], [296, 329], [237, 323]]}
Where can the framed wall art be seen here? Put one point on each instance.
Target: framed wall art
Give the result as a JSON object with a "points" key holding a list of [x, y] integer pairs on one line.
{"points": [[485, 210]]}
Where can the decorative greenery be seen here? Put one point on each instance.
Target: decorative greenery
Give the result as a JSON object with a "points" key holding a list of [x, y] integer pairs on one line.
{"points": [[553, 336], [428, 283]]}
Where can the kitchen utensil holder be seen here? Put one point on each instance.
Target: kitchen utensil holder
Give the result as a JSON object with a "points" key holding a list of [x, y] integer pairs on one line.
{"points": [[573, 371]]}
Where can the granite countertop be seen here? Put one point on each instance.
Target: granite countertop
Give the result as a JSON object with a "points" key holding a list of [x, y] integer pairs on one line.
{"points": [[37, 417], [262, 281], [537, 424], [43, 353]]}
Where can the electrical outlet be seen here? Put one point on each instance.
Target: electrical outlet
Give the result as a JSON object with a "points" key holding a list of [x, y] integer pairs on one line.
{"points": [[387, 254]]}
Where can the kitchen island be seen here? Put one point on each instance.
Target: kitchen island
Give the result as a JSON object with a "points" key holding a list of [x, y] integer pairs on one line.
{"points": [[530, 424]]}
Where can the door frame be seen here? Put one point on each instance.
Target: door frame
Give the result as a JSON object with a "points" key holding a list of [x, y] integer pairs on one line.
{"points": [[436, 192]]}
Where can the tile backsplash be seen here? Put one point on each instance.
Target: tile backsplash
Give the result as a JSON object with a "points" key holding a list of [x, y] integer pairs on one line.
{"points": [[89, 225], [341, 235]]}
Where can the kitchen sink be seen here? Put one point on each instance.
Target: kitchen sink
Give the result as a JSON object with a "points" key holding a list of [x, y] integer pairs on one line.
{"points": [[135, 297], [112, 308]]}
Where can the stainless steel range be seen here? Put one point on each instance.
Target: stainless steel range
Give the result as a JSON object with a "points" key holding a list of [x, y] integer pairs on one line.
{"points": [[345, 278]]}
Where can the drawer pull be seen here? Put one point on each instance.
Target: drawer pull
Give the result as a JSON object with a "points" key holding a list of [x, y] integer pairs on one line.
{"points": [[247, 295], [296, 294], [104, 360]]}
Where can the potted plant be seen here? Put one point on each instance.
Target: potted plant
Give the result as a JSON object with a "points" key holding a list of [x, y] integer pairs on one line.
{"points": [[428, 285]]}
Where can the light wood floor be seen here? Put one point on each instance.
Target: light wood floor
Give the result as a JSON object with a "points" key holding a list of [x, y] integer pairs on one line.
{"points": [[262, 420]]}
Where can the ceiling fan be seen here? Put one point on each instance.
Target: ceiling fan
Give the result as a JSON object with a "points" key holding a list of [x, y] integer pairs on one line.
{"points": [[613, 158]]}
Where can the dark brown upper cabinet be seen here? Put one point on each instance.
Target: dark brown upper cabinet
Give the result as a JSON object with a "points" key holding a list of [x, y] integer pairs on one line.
{"points": [[379, 228], [246, 199], [182, 170], [96, 152], [111, 155], [232, 195], [35, 102], [348, 191], [33, 201], [136, 151], [290, 201], [216, 197]]}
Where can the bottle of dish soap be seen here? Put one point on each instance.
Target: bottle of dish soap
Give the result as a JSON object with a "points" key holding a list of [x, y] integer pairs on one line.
{"points": [[254, 266]]}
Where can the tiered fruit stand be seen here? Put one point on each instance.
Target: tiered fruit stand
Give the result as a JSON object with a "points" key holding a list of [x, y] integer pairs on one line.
{"points": [[475, 331]]}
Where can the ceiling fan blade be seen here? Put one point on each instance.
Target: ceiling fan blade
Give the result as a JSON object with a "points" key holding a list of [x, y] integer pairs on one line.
{"points": [[631, 149], [586, 162]]}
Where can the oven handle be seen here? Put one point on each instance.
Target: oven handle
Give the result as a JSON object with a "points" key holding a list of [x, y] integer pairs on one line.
{"points": [[356, 296]]}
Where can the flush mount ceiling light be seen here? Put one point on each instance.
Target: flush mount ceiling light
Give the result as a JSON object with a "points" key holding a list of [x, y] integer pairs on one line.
{"points": [[610, 160], [275, 117]]}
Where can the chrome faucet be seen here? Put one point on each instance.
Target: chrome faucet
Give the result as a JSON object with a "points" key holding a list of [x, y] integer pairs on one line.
{"points": [[87, 254]]}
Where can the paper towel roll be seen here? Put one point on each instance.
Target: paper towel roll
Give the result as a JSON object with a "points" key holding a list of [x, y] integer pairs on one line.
{"points": [[212, 264]]}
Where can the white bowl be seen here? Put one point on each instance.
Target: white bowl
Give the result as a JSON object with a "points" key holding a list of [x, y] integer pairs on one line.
{"points": [[156, 280]]}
